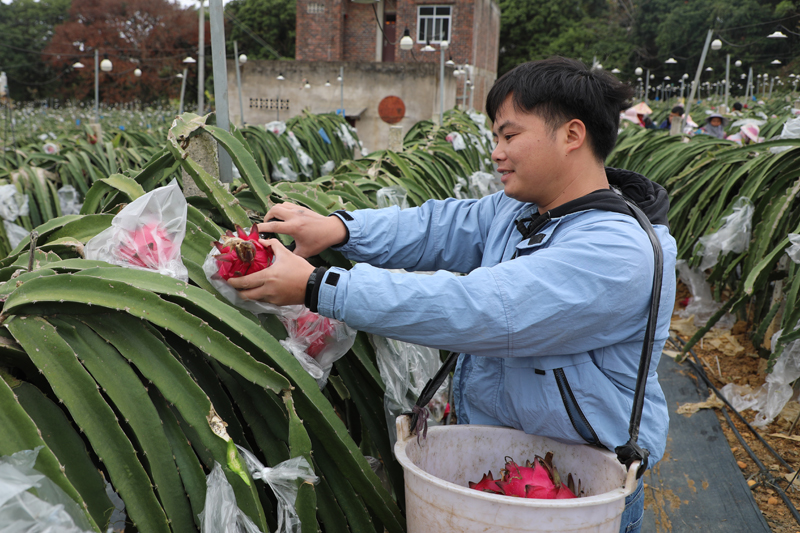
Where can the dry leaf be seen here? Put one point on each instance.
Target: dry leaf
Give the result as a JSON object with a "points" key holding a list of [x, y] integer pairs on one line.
{"points": [[683, 326], [689, 409], [790, 411], [795, 438]]}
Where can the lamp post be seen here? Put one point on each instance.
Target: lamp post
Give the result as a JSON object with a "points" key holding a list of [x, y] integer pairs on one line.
{"points": [[188, 61], [278, 103], [696, 83], [239, 60], [201, 58], [341, 89], [106, 66], [442, 47]]}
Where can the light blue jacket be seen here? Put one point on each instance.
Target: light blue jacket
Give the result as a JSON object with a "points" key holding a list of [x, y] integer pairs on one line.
{"points": [[575, 300]]}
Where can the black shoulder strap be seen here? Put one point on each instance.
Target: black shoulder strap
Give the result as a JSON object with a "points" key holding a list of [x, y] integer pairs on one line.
{"points": [[630, 451]]}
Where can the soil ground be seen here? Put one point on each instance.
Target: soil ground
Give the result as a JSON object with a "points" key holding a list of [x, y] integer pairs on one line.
{"points": [[726, 361]]}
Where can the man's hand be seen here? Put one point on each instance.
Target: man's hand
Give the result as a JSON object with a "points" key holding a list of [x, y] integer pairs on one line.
{"points": [[283, 283], [312, 232]]}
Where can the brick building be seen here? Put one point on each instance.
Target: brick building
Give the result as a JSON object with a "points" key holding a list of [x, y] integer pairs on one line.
{"points": [[342, 36], [343, 30]]}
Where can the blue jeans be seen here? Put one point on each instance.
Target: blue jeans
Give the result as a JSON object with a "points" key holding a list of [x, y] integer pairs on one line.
{"points": [[634, 511]]}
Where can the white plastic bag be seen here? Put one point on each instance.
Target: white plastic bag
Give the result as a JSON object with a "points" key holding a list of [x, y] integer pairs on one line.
{"points": [[456, 140], [317, 342], [13, 203], [405, 369], [221, 514], [284, 171], [741, 398], [305, 160], [791, 130], [146, 235], [49, 510], [15, 233], [701, 304], [69, 201], [344, 134], [794, 249], [461, 189], [327, 168], [483, 184], [732, 236], [389, 196], [211, 271], [276, 126], [282, 479], [777, 390]]}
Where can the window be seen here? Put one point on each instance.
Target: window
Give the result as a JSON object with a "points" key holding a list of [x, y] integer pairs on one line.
{"points": [[316, 9], [433, 23]]}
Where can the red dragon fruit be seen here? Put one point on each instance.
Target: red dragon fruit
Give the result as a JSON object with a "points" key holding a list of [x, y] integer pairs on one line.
{"points": [[319, 329], [539, 479], [242, 254], [146, 247]]}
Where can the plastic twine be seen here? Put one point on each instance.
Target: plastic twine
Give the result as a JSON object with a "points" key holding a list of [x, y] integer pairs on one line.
{"points": [[421, 426]]}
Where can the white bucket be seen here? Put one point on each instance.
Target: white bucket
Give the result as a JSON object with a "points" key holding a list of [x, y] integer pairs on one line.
{"points": [[438, 497]]}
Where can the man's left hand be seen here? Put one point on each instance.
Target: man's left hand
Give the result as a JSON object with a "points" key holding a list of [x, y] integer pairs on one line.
{"points": [[282, 283]]}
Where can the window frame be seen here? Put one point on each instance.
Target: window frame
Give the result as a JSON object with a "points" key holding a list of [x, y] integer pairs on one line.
{"points": [[433, 18]]}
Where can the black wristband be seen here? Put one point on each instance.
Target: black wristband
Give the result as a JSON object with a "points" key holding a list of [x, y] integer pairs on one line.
{"points": [[342, 215], [312, 288]]}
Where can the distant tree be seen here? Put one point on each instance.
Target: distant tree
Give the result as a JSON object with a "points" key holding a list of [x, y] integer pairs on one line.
{"points": [[152, 35], [584, 29], [26, 27], [264, 29]]}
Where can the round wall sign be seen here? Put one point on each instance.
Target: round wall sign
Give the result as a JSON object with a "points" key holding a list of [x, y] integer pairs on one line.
{"points": [[391, 109]]}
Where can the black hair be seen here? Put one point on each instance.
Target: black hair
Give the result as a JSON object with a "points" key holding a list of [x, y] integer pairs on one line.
{"points": [[737, 106], [678, 110], [559, 90]]}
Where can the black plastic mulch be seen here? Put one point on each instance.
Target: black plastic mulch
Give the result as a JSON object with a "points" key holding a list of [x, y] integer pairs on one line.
{"points": [[697, 486]]}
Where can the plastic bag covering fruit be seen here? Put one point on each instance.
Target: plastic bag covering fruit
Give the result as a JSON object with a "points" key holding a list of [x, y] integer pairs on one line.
{"points": [[539, 480], [456, 140], [241, 254], [220, 513], [282, 479], [146, 235], [389, 196], [47, 510], [317, 342], [732, 236]]}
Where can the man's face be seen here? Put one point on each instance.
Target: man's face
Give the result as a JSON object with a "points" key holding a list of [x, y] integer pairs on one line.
{"points": [[716, 121], [526, 154]]}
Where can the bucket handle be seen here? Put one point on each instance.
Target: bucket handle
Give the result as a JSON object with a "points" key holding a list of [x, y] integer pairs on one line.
{"points": [[633, 456]]}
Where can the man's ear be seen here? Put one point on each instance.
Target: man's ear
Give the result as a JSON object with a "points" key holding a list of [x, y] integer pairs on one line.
{"points": [[574, 135]]}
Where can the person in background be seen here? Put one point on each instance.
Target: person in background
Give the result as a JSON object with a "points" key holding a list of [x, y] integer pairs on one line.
{"points": [[747, 134], [714, 126], [676, 112], [645, 121], [737, 108]]}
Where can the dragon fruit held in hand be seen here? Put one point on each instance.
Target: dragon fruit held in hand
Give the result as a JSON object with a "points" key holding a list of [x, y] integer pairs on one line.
{"points": [[242, 254], [146, 246], [539, 479]]}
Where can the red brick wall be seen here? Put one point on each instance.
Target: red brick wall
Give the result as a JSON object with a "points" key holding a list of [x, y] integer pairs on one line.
{"points": [[319, 35], [360, 29]]}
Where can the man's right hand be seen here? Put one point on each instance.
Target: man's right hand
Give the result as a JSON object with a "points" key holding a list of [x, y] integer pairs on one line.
{"points": [[311, 231]]}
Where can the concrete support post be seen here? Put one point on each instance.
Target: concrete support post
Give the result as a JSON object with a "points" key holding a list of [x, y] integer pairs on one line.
{"points": [[220, 83], [396, 138]]}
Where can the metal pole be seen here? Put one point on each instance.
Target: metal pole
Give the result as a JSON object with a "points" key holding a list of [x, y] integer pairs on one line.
{"points": [[696, 82], [341, 89], [647, 86], [183, 89], [727, 79], [238, 81], [771, 84], [201, 61], [220, 83], [441, 86], [749, 90], [97, 86]]}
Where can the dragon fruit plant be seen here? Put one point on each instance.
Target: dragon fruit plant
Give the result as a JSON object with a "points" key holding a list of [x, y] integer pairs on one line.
{"points": [[539, 480], [242, 254]]}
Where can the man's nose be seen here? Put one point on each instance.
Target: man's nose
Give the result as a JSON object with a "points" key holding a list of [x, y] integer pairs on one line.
{"points": [[497, 153]]}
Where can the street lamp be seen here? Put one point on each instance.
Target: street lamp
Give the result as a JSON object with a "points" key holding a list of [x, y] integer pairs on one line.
{"points": [[78, 65], [671, 61], [137, 73], [188, 61], [239, 60], [106, 66], [278, 105], [406, 43], [776, 35]]}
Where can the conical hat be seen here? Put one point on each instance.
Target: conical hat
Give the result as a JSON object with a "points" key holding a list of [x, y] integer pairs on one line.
{"points": [[642, 109]]}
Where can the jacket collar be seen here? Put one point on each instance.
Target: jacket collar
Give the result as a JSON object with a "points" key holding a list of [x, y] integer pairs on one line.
{"points": [[651, 198]]}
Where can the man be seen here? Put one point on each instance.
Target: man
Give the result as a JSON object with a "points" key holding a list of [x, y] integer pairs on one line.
{"points": [[551, 315], [675, 113]]}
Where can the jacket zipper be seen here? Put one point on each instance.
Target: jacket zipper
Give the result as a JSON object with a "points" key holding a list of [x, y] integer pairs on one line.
{"points": [[576, 416]]}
